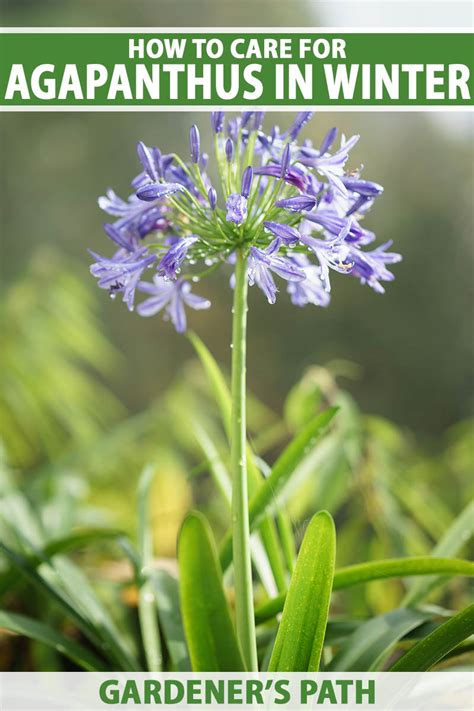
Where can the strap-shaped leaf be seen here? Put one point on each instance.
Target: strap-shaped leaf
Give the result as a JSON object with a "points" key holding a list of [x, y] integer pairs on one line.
{"points": [[430, 650], [281, 473], [378, 570], [20, 624], [300, 637], [210, 634], [457, 535], [64, 584], [146, 596], [399, 568], [371, 643], [66, 544], [216, 380], [167, 599]]}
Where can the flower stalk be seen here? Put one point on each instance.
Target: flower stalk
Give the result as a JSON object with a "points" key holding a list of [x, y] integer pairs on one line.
{"points": [[245, 620]]}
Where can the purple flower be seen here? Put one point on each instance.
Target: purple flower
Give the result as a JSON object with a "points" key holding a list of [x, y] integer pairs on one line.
{"points": [[170, 265], [155, 191], [370, 267], [264, 261], [150, 220], [236, 208], [247, 178], [331, 166], [288, 235], [122, 272], [136, 218], [332, 223], [258, 120], [113, 204], [172, 296], [301, 120], [150, 158], [285, 161], [246, 116], [298, 203], [324, 207], [194, 143], [327, 141], [363, 187], [212, 197], [331, 254], [294, 176], [229, 150], [311, 290], [120, 239], [217, 121]]}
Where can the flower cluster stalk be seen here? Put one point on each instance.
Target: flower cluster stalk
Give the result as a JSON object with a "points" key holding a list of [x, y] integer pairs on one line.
{"points": [[245, 620]]}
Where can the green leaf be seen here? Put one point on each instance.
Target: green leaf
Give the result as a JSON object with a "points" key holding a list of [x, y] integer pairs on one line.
{"points": [[80, 539], [19, 624], [430, 650], [65, 585], [285, 465], [270, 609], [167, 599], [216, 379], [68, 544], [458, 534], [300, 637], [371, 643], [214, 460], [84, 598], [378, 570], [146, 595], [400, 567], [208, 626], [287, 538]]}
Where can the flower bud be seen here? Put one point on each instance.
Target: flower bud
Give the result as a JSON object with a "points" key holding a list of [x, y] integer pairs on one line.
{"points": [[300, 121], [212, 197], [285, 160], [195, 143], [328, 140], [217, 121], [247, 178], [229, 150]]}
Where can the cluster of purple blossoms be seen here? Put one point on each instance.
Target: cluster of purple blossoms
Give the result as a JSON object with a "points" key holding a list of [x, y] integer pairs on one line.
{"points": [[293, 209]]}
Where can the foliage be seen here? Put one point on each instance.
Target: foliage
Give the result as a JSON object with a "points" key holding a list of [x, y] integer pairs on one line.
{"points": [[52, 363], [386, 621]]}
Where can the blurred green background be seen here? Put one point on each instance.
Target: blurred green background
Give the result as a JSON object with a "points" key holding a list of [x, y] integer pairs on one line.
{"points": [[414, 346]]}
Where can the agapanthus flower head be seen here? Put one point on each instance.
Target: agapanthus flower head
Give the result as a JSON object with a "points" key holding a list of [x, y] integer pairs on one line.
{"points": [[293, 210]]}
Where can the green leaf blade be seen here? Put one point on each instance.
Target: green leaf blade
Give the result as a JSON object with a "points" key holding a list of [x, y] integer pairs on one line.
{"points": [[20, 624], [379, 570], [210, 634], [458, 534], [146, 595], [430, 650], [371, 643], [300, 638], [400, 567]]}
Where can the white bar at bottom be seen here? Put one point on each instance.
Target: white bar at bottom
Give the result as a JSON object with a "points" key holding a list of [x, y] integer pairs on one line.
{"points": [[52, 691]]}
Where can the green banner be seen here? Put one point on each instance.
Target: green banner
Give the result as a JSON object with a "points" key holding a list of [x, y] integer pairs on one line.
{"points": [[221, 68]]}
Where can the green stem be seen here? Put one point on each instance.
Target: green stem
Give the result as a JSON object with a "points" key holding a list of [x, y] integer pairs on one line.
{"points": [[240, 513]]}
